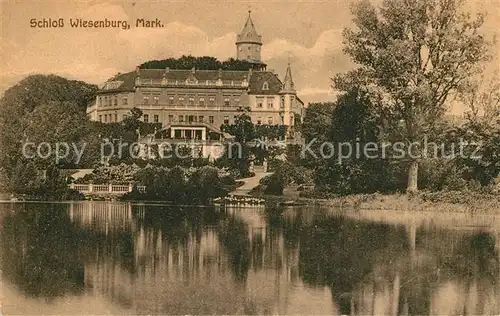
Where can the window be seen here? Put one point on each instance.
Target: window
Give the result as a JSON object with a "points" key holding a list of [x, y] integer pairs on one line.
{"points": [[115, 100], [181, 118], [170, 118], [156, 99], [191, 100], [202, 101], [259, 120], [211, 100], [100, 118], [145, 99], [265, 86], [270, 103], [171, 100], [260, 102], [211, 119], [226, 120], [181, 100], [100, 101], [125, 101], [105, 101], [155, 118], [105, 117], [270, 121], [124, 116], [226, 101], [116, 117], [282, 103], [201, 119], [191, 118], [146, 118]]}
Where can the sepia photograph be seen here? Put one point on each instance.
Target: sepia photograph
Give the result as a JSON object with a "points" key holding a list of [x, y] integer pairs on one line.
{"points": [[264, 157]]}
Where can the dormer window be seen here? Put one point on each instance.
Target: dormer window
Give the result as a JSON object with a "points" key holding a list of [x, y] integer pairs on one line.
{"points": [[265, 86]]}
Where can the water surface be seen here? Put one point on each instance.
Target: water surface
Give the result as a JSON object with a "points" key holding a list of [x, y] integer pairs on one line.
{"points": [[122, 258]]}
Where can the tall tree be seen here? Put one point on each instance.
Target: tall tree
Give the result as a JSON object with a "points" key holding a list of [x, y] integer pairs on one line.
{"points": [[317, 121], [412, 56]]}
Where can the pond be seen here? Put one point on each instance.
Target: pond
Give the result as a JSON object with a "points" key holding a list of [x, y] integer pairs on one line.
{"points": [[124, 258]]}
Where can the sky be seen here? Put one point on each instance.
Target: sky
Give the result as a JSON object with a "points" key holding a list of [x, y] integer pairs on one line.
{"points": [[308, 33]]}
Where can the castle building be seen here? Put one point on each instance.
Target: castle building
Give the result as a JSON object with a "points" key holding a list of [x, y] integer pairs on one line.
{"points": [[192, 103]]}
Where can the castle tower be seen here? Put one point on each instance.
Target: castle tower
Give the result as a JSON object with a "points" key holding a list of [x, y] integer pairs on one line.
{"points": [[288, 98], [248, 42]]}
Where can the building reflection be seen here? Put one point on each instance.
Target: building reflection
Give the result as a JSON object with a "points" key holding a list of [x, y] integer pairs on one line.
{"points": [[153, 259]]}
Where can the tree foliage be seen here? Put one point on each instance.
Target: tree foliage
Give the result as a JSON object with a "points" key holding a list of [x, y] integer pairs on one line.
{"points": [[317, 121], [202, 63], [412, 56], [43, 108]]}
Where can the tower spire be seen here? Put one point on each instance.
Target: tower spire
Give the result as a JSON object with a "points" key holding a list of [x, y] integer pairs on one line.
{"points": [[288, 84]]}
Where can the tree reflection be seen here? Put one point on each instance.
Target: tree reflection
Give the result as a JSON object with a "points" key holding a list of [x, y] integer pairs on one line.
{"points": [[233, 235], [341, 253], [40, 251], [476, 261]]}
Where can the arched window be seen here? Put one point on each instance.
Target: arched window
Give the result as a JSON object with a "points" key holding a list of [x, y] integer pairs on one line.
{"points": [[265, 86]]}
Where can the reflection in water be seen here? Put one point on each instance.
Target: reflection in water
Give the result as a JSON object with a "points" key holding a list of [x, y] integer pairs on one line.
{"points": [[158, 259]]}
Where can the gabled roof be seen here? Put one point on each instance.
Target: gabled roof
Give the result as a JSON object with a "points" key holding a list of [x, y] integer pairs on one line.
{"points": [[248, 34], [258, 79]]}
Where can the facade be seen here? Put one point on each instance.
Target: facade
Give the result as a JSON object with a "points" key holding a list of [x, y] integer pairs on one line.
{"points": [[203, 98]]}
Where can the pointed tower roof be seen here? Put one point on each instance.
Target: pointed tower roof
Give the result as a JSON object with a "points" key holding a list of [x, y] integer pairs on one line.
{"points": [[288, 84], [248, 34]]}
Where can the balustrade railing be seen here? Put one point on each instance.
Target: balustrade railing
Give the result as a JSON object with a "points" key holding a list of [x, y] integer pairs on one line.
{"points": [[105, 188]]}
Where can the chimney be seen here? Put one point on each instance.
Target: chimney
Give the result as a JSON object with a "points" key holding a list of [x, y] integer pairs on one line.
{"points": [[137, 70]]}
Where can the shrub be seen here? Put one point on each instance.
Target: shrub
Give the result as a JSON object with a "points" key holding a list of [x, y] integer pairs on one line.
{"points": [[227, 180], [265, 180], [275, 186]]}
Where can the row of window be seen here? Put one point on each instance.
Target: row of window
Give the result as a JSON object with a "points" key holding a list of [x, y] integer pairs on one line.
{"points": [[110, 118], [112, 101], [201, 101], [270, 120], [181, 118], [270, 103]]}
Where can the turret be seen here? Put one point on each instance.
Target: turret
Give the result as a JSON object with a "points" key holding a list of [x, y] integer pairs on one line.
{"points": [[248, 42], [288, 98]]}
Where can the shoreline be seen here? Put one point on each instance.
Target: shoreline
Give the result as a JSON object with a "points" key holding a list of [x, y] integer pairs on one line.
{"points": [[473, 202]]}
